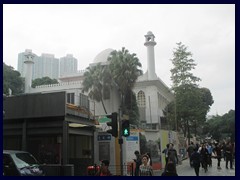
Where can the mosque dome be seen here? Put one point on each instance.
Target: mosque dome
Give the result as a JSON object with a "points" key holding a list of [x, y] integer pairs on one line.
{"points": [[102, 56]]}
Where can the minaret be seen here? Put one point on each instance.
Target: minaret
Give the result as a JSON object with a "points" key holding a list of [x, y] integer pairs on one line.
{"points": [[28, 69], [150, 43]]}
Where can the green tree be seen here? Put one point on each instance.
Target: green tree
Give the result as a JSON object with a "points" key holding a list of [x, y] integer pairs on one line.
{"points": [[132, 107], [143, 143], [124, 69], [221, 127], [183, 65], [121, 73], [191, 102], [12, 80], [43, 81], [97, 81]]}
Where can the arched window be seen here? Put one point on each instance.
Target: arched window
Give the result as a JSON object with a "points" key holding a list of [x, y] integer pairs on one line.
{"points": [[141, 99]]}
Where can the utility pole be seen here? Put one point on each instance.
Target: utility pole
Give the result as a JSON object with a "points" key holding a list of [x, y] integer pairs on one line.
{"points": [[120, 140]]}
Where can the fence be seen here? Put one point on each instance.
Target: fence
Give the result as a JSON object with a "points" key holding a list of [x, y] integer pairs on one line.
{"points": [[127, 170]]}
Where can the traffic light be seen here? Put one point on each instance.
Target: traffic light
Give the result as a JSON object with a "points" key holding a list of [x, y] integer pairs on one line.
{"points": [[125, 128], [114, 124]]}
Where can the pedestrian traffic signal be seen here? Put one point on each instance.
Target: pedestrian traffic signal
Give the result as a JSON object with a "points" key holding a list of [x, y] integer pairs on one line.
{"points": [[114, 124], [125, 128]]}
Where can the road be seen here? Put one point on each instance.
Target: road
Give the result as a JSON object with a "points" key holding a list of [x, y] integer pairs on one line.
{"points": [[185, 170]]}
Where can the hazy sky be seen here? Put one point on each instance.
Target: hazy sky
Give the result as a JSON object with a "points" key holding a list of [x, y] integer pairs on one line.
{"points": [[85, 30]]}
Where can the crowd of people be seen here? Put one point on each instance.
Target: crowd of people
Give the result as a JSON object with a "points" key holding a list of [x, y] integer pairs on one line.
{"points": [[201, 155]]}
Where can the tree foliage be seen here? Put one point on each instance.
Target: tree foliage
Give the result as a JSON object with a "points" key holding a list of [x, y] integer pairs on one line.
{"points": [[12, 80], [220, 127], [131, 108], [183, 65], [43, 81], [121, 73], [191, 102], [97, 82], [124, 68], [143, 143]]}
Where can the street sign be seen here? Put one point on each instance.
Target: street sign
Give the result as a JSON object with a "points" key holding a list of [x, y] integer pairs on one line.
{"points": [[105, 137]]}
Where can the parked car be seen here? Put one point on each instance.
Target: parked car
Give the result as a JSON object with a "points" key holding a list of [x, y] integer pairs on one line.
{"points": [[20, 163]]}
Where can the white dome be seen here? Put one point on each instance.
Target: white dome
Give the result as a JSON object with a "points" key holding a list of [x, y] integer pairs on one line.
{"points": [[102, 56]]}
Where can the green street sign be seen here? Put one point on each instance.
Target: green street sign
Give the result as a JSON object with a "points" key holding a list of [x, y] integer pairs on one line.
{"points": [[104, 120]]}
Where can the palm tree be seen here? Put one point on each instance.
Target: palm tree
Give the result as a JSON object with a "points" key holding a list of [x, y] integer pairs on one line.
{"points": [[124, 68], [97, 81]]}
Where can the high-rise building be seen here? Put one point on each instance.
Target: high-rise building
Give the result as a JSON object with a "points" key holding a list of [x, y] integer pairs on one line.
{"points": [[68, 65], [46, 65]]}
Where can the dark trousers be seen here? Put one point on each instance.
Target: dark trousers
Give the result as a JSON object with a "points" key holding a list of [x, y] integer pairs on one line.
{"points": [[196, 169], [229, 158], [136, 173], [218, 163]]}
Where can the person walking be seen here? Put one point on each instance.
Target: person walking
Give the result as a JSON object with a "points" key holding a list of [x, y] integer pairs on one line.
{"points": [[170, 170], [210, 150], [145, 169], [218, 154], [172, 155], [138, 162], [204, 157], [190, 150], [196, 159], [229, 155], [165, 151]]}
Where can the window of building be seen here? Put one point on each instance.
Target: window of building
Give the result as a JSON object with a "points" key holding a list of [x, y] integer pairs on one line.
{"points": [[141, 99], [84, 102], [70, 98]]}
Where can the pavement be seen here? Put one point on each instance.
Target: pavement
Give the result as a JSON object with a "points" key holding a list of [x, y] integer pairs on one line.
{"points": [[185, 170]]}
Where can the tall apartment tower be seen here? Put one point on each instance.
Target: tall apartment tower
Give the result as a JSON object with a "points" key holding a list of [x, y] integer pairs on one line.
{"points": [[46, 65], [68, 65]]}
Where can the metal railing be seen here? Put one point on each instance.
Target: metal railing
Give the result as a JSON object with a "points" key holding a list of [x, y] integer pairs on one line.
{"points": [[115, 170]]}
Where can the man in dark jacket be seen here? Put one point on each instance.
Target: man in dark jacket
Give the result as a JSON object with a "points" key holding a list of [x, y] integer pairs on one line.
{"points": [[138, 162], [229, 155], [218, 153], [172, 155], [195, 158], [190, 150]]}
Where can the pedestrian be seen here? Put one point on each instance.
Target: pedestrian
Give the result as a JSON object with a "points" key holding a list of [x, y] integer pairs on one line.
{"points": [[229, 155], [224, 150], [172, 155], [210, 150], [138, 162], [190, 150], [165, 151], [170, 170], [204, 157], [218, 154], [196, 159], [145, 169], [103, 170]]}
